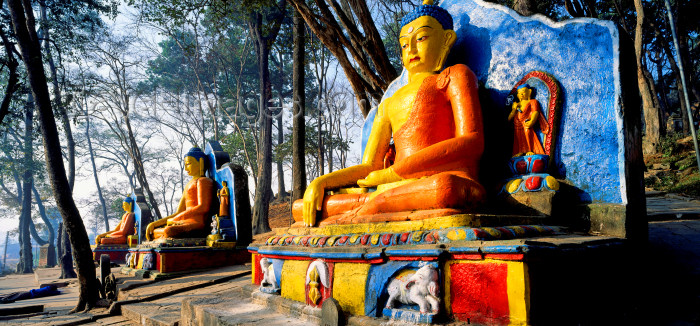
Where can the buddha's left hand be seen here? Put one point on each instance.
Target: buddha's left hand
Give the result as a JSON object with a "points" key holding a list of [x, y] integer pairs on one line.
{"points": [[379, 177]]}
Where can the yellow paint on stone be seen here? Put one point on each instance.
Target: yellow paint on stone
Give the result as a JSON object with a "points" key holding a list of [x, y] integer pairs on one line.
{"points": [[349, 281], [518, 293], [456, 234], [374, 239], [253, 267], [457, 220], [294, 279]]}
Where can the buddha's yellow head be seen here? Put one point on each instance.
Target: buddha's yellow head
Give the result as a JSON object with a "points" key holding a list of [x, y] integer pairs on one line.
{"points": [[194, 162], [128, 204], [426, 38]]}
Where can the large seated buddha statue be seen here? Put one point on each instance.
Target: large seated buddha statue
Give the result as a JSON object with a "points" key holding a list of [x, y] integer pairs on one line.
{"points": [[193, 214], [124, 229], [436, 126]]}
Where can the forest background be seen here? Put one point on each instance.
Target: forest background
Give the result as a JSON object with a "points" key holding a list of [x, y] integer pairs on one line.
{"points": [[282, 85]]}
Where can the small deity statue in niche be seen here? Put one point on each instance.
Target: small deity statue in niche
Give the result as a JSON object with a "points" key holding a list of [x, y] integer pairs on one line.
{"points": [[269, 280], [224, 200], [124, 229], [436, 124], [526, 116], [191, 217], [420, 287]]}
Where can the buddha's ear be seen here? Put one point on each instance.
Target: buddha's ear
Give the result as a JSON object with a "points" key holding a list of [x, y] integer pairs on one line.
{"points": [[201, 166], [450, 39]]}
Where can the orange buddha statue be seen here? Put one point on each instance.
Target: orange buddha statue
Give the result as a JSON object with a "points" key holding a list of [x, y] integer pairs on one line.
{"points": [[526, 116], [437, 129], [193, 213], [124, 229]]}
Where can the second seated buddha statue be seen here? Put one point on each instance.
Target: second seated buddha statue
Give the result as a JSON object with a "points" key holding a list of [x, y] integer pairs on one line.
{"points": [[193, 214], [436, 125]]}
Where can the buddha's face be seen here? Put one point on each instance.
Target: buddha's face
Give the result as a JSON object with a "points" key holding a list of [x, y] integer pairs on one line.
{"points": [[126, 206], [524, 94], [193, 166], [425, 45]]}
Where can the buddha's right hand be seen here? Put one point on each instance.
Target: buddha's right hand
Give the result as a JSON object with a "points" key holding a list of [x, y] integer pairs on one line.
{"points": [[313, 201], [151, 226]]}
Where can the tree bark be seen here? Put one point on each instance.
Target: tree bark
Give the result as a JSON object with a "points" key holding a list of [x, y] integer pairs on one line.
{"points": [[62, 112], [51, 255], [264, 179], [65, 254], [138, 164], [343, 40], [13, 77], [24, 26], [4, 256], [27, 180], [298, 123], [94, 169], [261, 202], [281, 191], [651, 113]]}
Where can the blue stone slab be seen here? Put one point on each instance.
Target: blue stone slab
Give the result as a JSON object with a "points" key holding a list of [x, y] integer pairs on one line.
{"points": [[409, 316], [501, 46]]}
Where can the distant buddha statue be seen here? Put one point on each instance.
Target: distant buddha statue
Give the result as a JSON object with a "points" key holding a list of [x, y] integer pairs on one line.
{"points": [[436, 125], [526, 116], [124, 229], [192, 216]]}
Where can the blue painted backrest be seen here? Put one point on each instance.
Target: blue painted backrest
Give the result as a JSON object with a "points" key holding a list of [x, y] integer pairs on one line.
{"points": [[137, 215], [501, 46], [219, 176]]}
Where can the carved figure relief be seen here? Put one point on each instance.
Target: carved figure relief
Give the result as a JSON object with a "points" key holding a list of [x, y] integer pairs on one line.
{"points": [[419, 288], [316, 276], [269, 281]]}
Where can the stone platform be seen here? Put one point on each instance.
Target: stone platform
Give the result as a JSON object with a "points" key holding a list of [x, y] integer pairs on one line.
{"points": [[166, 257], [495, 276], [117, 253]]}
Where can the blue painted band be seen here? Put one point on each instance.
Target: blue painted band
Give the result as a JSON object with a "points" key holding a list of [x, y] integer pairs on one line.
{"points": [[414, 252]]}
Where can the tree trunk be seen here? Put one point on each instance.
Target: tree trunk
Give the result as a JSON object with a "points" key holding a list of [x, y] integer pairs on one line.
{"points": [[262, 189], [298, 123], [365, 82], [65, 255], [281, 191], [70, 143], [320, 152], [4, 256], [94, 169], [651, 113], [138, 165], [25, 31], [27, 180], [51, 255], [13, 77]]}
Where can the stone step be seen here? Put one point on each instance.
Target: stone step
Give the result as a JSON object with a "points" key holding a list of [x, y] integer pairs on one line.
{"points": [[165, 310], [237, 307]]}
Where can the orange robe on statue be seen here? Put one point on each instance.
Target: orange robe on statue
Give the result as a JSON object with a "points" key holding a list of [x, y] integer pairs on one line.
{"points": [[198, 196], [440, 145], [526, 140], [124, 229]]}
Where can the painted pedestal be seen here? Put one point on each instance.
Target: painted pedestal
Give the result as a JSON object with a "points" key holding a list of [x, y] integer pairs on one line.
{"points": [[118, 252], [481, 275], [160, 258], [233, 233]]}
